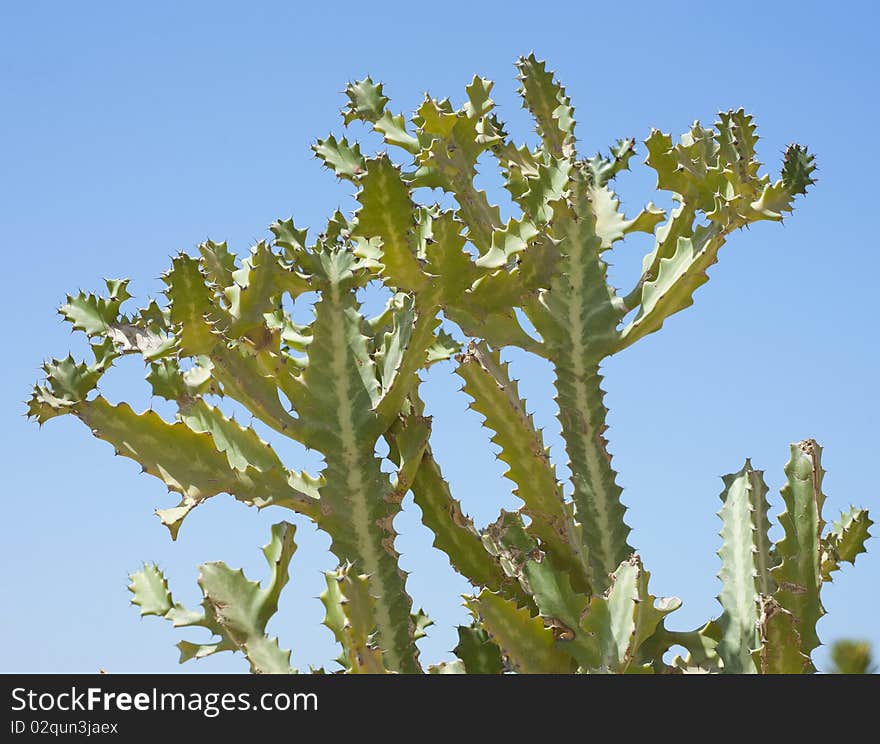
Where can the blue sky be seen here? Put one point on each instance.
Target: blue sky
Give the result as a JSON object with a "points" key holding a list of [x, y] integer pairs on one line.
{"points": [[132, 132]]}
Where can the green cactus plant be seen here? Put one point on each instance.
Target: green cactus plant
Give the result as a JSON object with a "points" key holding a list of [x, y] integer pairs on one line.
{"points": [[558, 588], [852, 657]]}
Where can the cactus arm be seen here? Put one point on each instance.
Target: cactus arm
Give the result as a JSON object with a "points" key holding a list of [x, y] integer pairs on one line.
{"points": [[443, 348], [549, 184], [93, 314], [405, 352], [597, 496], [780, 649], [145, 333], [451, 149], [450, 266], [852, 657], [407, 439], [366, 102], [845, 541], [665, 158], [478, 103], [339, 388], [196, 317], [701, 645], [188, 462], [344, 159], [238, 610], [452, 145], [289, 238], [798, 576], [678, 277], [476, 651], [278, 553], [777, 198], [577, 320], [624, 618], [387, 212], [745, 567], [547, 101], [349, 614], [219, 262], [454, 532], [560, 606], [241, 444], [680, 224], [392, 127], [450, 280], [243, 379], [334, 615], [255, 290], [99, 317], [191, 306], [507, 242], [150, 589], [612, 225], [421, 622], [519, 164], [393, 332], [603, 169], [713, 172], [496, 397], [67, 384], [525, 643], [135, 338], [492, 298], [499, 329], [234, 608]]}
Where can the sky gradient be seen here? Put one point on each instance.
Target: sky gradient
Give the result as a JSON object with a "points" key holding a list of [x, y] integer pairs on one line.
{"points": [[130, 133]]}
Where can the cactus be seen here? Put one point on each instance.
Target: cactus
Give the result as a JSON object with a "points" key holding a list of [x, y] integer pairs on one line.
{"points": [[235, 609], [557, 585], [852, 657]]}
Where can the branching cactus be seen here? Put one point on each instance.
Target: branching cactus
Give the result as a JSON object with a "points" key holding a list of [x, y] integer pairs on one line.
{"points": [[558, 587]]}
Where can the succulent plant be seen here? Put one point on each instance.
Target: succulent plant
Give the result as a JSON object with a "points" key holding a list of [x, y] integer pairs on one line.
{"points": [[558, 587]]}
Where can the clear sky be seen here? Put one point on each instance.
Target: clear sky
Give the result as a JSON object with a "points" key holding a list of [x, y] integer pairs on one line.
{"points": [[129, 132]]}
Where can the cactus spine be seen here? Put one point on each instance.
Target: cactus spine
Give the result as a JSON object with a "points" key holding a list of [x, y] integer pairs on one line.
{"points": [[557, 584]]}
